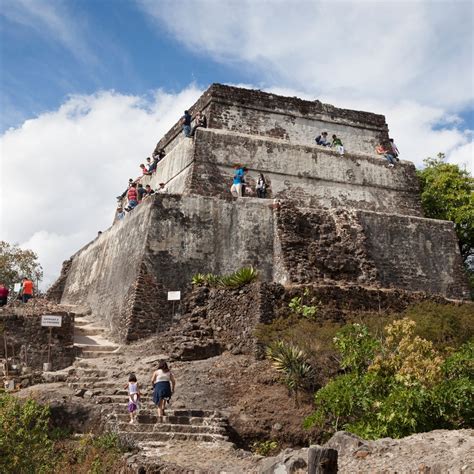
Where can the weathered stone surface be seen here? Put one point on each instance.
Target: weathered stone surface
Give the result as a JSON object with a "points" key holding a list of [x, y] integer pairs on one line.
{"points": [[343, 221], [28, 341]]}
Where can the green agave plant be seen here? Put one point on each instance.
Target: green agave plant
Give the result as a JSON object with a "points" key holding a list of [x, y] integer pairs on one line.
{"points": [[237, 279], [291, 362]]}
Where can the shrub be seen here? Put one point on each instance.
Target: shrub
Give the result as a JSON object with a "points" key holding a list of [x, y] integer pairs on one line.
{"points": [[291, 362], [397, 388], [24, 443], [264, 448], [237, 279], [298, 307]]}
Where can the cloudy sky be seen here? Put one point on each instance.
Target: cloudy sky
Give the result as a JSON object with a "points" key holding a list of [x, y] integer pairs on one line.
{"points": [[87, 88]]}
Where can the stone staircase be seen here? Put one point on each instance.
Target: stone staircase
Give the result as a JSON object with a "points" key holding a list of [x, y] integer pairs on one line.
{"points": [[90, 341], [149, 432]]}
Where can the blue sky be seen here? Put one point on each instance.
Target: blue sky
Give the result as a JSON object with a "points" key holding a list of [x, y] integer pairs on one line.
{"points": [[122, 51], [87, 87]]}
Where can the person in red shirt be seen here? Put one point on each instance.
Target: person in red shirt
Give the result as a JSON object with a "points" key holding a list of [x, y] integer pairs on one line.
{"points": [[3, 294], [132, 196], [26, 290]]}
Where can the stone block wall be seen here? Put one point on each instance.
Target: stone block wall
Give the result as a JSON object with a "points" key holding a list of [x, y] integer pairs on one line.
{"points": [[260, 113], [25, 336], [382, 250], [414, 253], [308, 175]]}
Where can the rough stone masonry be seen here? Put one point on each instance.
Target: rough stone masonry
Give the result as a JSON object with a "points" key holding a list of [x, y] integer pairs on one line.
{"points": [[328, 220]]}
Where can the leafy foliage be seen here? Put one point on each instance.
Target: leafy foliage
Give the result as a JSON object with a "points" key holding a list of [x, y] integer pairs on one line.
{"points": [[447, 192], [16, 263], [397, 387], [237, 279], [356, 346], [265, 448], [24, 443], [292, 363], [298, 307]]}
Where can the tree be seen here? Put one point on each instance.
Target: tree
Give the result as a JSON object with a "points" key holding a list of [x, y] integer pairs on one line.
{"points": [[447, 193], [16, 263]]}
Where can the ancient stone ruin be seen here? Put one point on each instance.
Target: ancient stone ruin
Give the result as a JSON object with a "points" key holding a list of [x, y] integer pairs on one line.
{"points": [[349, 225]]}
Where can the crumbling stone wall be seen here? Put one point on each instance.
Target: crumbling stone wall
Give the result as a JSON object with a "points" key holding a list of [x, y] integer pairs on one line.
{"points": [[415, 254], [383, 250], [55, 291], [23, 333], [234, 314]]}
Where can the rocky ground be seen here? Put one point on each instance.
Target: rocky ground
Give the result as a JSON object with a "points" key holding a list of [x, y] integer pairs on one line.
{"points": [[222, 404]]}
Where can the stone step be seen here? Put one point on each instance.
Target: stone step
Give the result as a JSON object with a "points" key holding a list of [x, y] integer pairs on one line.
{"points": [[157, 436], [211, 414], [169, 428], [95, 354], [148, 417], [96, 347], [88, 331]]}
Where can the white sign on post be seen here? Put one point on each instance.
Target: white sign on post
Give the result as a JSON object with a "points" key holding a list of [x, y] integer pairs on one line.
{"points": [[174, 295], [17, 287], [51, 321]]}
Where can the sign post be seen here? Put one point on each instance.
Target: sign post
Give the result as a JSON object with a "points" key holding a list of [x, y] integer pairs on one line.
{"points": [[50, 321], [174, 296]]}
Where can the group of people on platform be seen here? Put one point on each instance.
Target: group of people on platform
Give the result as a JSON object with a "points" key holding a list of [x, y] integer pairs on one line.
{"points": [[25, 293], [136, 193], [163, 386], [390, 153], [200, 121], [238, 187]]}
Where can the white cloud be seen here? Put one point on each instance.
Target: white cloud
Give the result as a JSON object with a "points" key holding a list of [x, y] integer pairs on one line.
{"points": [[53, 20], [409, 60], [62, 170], [410, 50]]}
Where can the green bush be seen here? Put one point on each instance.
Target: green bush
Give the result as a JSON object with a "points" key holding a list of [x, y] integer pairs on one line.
{"points": [[298, 307], [398, 387], [264, 448], [25, 446]]}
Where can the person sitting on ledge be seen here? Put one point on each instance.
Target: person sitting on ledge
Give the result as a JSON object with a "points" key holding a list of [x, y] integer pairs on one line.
{"points": [[148, 191], [120, 213], [261, 187], [132, 197], [381, 150], [322, 139], [337, 144], [145, 172], [200, 121], [140, 192], [162, 189], [119, 198], [186, 123], [148, 165], [394, 148], [236, 188]]}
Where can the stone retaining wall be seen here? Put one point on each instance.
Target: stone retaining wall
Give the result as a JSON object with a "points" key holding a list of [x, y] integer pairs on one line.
{"points": [[25, 336]]}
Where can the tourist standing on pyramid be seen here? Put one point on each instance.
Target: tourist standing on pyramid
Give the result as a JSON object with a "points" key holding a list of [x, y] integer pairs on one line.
{"points": [[236, 188], [186, 123], [163, 386]]}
